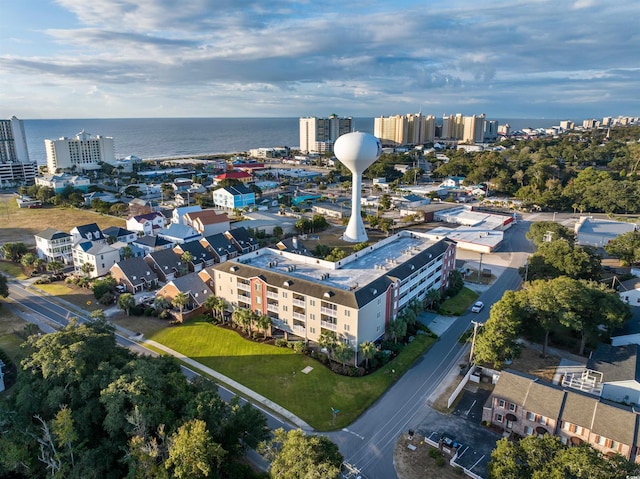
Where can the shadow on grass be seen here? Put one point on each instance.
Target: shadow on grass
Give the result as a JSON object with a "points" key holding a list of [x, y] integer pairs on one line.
{"points": [[276, 373]]}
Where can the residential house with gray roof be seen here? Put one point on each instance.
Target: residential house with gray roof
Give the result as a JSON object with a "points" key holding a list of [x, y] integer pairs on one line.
{"points": [[134, 274], [166, 264], [54, 245]]}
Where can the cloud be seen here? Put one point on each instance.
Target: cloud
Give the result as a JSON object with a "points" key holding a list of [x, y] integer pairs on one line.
{"points": [[304, 52]]}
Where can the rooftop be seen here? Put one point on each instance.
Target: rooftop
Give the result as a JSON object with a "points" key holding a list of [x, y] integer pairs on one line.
{"points": [[365, 267]]}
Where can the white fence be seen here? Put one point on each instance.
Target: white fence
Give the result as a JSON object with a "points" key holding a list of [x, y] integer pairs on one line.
{"points": [[462, 384]]}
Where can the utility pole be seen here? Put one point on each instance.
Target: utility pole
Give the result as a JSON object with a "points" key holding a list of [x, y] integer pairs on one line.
{"points": [[526, 270], [473, 341], [480, 269]]}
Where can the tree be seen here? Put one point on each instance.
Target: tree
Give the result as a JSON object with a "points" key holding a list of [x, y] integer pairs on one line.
{"points": [[264, 322], [496, 341], [98, 315], [368, 350], [160, 303], [570, 260], [385, 225], [327, 340], [294, 455], [625, 247], [397, 328], [87, 268], [545, 231], [277, 231], [186, 258], [126, 252], [28, 260], [55, 266], [343, 353], [336, 255], [14, 251], [180, 300], [192, 452], [432, 298], [4, 286], [456, 282], [126, 301]]}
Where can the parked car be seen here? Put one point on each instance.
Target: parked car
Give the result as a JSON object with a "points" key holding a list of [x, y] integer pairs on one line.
{"points": [[477, 307], [120, 288]]}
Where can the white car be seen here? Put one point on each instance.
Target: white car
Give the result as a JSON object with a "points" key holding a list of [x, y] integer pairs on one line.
{"points": [[477, 307]]}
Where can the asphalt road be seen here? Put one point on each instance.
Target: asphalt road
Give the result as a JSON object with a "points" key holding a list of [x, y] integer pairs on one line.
{"points": [[368, 443]]}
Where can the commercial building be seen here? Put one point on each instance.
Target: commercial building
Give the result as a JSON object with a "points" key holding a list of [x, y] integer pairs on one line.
{"points": [[356, 297], [598, 232], [319, 134], [15, 166], [83, 152]]}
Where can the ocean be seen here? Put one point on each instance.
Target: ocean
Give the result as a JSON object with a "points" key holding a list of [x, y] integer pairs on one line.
{"points": [[170, 137]]}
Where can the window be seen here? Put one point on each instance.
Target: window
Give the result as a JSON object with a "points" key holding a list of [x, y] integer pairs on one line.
{"points": [[543, 420], [601, 440], [285, 308], [498, 417], [258, 300], [500, 403], [312, 302], [347, 313], [312, 317], [346, 327], [312, 330], [512, 407], [257, 286], [284, 294], [531, 416], [528, 430]]}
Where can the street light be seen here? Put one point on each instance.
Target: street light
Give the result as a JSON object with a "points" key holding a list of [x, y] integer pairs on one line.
{"points": [[473, 341]]}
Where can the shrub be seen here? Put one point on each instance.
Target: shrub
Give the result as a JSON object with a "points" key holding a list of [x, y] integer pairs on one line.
{"points": [[106, 299], [137, 310], [281, 343], [440, 461], [434, 453], [164, 314], [382, 358], [149, 311], [300, 347]]}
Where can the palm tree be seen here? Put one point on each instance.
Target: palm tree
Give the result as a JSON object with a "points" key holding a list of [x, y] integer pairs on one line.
{"points": [[160, 303], [433, 297], [241, 317], [55, 266], [368, 350], [87, 268], [126, 252], [264, 322], [343, 352], [186, 258], [126, 301], [180, 300]]}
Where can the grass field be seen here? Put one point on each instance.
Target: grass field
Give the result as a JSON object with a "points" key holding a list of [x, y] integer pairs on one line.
{"points": [[20, 224], [276, 372], [12, 269], [10, 325], [457, 305]]}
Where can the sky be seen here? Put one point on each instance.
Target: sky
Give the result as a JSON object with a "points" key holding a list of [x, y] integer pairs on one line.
{"points": [[290, 58]]}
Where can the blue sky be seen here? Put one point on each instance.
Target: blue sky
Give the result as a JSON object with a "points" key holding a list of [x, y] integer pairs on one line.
{"points": [[253, 58]]}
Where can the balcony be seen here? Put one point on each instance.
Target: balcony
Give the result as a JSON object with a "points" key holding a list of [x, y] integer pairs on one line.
{"points": [[299, 316], [244, 286], [328, 325], [298, 329], [273, 308], [298, 302], [272, 295], [244, 297], [329, 312]]}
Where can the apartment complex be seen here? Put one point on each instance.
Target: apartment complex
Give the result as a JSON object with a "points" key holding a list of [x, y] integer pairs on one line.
{"points": [[525, 405], [411, 129], [81, 153], [15, 166], [318, 135], [355, 297]]}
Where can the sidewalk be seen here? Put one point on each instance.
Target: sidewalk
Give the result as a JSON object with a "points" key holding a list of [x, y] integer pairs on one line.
{"points": [[247, 393]]}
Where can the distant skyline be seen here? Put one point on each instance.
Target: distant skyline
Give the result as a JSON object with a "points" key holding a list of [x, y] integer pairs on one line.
{"points": [[247, 58]]}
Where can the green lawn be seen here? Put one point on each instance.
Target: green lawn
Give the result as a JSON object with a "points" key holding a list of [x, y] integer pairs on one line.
{"points": [[12, 269], [457, 305], [276, 372], [10, 325]]}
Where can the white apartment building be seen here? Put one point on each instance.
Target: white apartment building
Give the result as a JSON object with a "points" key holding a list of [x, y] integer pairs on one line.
{"points": [[319, 134], [83, 152], [15, 166], [356, 297]]}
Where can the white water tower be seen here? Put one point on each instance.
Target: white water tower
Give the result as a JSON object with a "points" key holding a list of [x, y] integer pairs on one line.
{"points": [[357, 151]]}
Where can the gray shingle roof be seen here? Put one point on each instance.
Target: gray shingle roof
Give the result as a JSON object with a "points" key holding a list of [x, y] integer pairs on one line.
{"points": [[616, 363], [53, 234], [138, 269]]}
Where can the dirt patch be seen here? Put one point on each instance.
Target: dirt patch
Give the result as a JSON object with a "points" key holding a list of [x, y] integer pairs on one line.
{"points": [[532, 362], [418, 464], [20, 224]]}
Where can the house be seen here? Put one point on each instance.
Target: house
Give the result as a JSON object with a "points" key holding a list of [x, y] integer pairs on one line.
{"points": [[54, 245], [411, 201], [166, 264], [234, 197], [453, 182], [59, 182], [525, 405], [630, 291], [620, 370], [220, 246], [181, 185], [239, 175], [139, 206], [264, 222], [147, 223], [195, 288], [178, 233], [136, 251], [207, 222], [598, 232], [242, 240], [293, 245], [115, 233], [149, 244], [97, 195], [134, 274], [99, 254], [89, 232], [177, 215], [202, 257]]}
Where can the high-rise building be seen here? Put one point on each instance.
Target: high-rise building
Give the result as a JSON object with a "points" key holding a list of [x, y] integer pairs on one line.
{"points": [[83, 152], [411, 129], [318, 134], [452, 127], [15, 166], [473, 129]]}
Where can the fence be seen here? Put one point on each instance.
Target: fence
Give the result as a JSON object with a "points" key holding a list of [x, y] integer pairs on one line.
{"points": [[462, 384]]}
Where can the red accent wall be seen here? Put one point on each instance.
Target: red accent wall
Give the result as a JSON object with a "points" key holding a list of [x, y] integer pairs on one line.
{"points": [[448, 264], [262, 293]]}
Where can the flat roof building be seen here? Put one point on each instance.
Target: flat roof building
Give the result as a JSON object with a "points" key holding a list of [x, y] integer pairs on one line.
{"points": [[356, 297], [83, 152], [15, 166]]}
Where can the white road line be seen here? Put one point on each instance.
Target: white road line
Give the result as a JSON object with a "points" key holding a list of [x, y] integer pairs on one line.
{"points": [[470, 408]]}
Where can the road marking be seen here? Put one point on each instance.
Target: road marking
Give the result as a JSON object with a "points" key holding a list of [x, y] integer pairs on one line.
{"points": [[354, 433], [471, 407]]}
